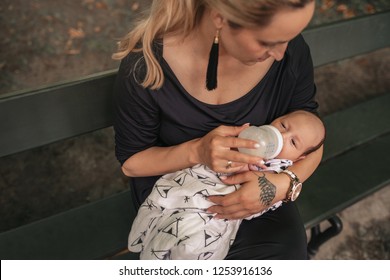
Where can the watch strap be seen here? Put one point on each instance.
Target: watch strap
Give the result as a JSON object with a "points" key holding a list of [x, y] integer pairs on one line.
{"points": [[293, 180]]}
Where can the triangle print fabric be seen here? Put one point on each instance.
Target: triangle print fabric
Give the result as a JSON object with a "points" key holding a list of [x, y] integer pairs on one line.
{"points": [[173, 223]]}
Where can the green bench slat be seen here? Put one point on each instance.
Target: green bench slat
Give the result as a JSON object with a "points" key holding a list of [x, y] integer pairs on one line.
{"points": [[339, 183], [35, 118], [356, 125], [93, 231], [347, 38]]}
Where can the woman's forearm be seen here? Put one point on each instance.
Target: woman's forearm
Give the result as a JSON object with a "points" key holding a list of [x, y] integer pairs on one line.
{"points": [[160, 160], [306, 167], [214, 150]]}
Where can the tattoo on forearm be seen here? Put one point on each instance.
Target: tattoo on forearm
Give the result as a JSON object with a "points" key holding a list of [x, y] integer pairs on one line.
{"points": [[267, 190]]}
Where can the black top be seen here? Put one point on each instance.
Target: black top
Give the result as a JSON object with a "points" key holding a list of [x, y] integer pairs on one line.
{"points": [[170, 116]]}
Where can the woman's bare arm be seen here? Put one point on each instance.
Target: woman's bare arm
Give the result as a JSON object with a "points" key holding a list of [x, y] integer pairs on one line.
{"points": [[213, 150]]}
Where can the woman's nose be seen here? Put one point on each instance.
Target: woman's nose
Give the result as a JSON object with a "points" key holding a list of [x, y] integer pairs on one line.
{"points": [[278, 51]]}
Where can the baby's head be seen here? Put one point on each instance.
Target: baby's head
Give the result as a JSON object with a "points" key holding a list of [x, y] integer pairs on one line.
{"points": [[303, 133]]}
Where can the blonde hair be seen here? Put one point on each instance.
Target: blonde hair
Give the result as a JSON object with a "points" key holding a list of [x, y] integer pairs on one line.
{"points": [[181, 17]]}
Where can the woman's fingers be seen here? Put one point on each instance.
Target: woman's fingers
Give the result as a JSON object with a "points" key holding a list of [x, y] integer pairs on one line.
{"points": [[234, 142], [218, 149], [234, 211], [231, 130], [226, 136], [241, 203], [223, 200], [234, 161], [238, 178], [226, 210], [239, 214]]}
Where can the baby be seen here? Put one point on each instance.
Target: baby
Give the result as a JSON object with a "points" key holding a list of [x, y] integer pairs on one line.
{"points": [[173, 222]]}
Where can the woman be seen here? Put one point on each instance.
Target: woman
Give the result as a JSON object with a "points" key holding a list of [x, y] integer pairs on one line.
{"points": [[168, 117]]}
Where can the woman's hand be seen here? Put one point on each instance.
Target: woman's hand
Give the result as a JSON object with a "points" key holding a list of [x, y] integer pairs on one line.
{"points": [[218, 149], [256, 194]]}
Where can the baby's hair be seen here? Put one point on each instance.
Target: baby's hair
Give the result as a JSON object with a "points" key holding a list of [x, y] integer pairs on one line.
{"points": [[316, 147]]}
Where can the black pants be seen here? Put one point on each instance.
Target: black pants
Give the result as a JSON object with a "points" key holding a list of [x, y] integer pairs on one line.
{"points": [[275, 235]]}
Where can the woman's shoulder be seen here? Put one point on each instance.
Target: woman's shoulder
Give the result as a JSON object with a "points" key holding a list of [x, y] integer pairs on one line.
{"points": [[298, 46], [297, 43], [133, 64], [298, 54], [135, 59]]}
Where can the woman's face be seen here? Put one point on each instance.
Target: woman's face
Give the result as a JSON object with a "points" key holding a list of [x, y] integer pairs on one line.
{"points": [[258, 44]]}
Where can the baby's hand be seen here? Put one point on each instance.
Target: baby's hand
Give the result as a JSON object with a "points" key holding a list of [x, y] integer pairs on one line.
{"points": [[256, 167], [252, 167]]}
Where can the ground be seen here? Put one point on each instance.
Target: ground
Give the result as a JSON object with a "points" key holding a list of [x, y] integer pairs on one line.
{"points": [[43, 43]]}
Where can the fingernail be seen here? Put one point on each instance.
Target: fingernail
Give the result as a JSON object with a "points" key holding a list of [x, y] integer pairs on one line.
{"points": [[262, 162], [246, 124], [223, 177], [257, 145]]}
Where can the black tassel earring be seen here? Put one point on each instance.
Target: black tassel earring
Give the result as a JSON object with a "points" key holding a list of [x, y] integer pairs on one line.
{"points": [[212, 67]]}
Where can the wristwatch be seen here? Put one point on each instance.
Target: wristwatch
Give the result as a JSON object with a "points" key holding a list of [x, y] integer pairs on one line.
{"points": [[295, 186]]}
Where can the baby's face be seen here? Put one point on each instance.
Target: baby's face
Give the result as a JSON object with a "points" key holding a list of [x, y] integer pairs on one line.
{"points": [[300, 132]]}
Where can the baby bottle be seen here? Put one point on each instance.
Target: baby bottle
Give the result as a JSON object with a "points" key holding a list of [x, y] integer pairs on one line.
{"points": [[269, 138]]}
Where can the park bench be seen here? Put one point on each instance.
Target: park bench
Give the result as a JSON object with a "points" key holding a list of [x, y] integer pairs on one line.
{"points": [[356, 136]]}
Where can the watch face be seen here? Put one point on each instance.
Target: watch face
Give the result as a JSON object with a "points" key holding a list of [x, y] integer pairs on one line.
{"points": [[296, 190]]}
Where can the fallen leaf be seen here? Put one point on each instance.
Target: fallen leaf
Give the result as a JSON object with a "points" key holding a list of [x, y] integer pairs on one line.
{"points": [[49, 18], [72, 52], [349, 14], [76, 33], [68, 44], [327, 4], [369, 8], [135, 6], [341, 8], [100, 5]]}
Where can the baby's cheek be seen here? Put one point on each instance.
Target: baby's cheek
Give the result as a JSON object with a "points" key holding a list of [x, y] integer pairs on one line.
{"points": [[284, 153]]}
